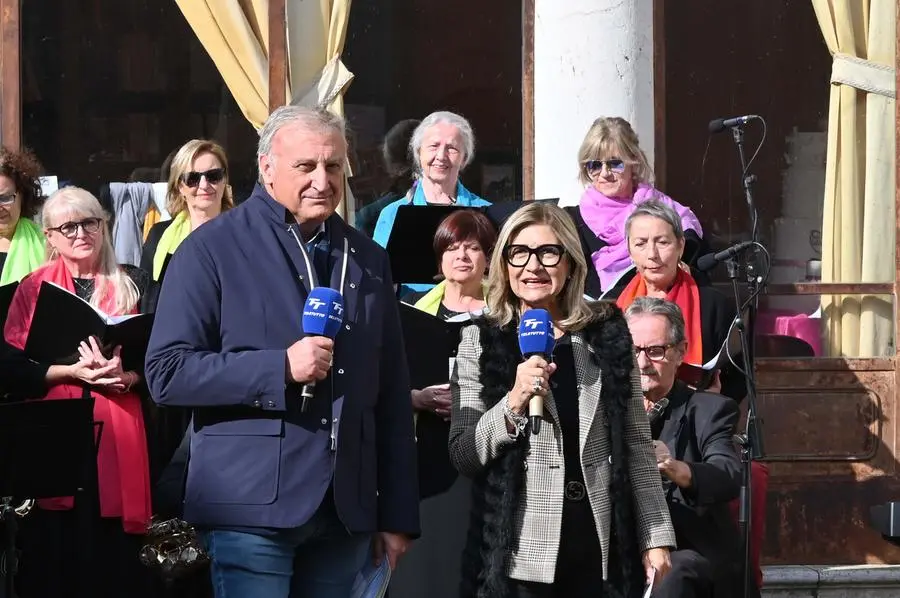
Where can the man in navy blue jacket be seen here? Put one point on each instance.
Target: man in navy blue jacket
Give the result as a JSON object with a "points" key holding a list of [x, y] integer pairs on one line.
{"points": [[289, 500]]}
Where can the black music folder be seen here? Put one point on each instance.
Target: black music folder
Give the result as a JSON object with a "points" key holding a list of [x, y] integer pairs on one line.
{"points": [[62, 320], [411, 244], [701, 375], [45, 447], [430, 344], [6, 296]]}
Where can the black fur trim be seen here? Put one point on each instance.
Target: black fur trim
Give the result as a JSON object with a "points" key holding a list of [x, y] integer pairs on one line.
{"points": [[495, 491]]}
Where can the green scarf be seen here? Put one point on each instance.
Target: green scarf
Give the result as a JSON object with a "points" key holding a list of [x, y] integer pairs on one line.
{"points": [[431, 301], [170, 240], [26, 252]]}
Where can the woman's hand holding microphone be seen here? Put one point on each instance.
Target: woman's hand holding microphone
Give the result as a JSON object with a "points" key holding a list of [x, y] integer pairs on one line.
{"points": [[532, 379]]}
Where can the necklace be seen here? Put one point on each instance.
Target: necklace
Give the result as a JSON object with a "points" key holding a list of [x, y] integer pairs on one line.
{"points": [[84, 286]]}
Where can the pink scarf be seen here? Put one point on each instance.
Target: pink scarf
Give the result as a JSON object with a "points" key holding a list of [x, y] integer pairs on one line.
{"points": [[123, 466], [606, 216]]}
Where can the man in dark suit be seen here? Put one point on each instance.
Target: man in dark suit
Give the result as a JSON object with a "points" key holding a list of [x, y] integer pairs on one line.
{"points": [[289, 500], [693, 436]]}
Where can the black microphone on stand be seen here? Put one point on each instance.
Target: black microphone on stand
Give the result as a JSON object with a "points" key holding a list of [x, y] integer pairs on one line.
{"points": [[720, 124], [751, 439], [711, 260]]}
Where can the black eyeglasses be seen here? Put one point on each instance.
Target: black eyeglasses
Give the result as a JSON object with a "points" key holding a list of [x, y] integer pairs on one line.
{"points": [[653, 352], [7, 199], [519, 255], [213, 176], [69, 230], [616, 165]]}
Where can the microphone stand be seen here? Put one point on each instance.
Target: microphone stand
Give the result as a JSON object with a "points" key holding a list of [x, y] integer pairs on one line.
{"points": [[750, 441]]}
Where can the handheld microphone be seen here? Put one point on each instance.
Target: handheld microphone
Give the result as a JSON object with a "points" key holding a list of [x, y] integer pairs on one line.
{"points": [[720, 124], [536, 338], [709, 261], [323, 315]]}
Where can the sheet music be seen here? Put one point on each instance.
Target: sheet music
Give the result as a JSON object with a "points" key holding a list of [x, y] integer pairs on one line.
{"points": [[649, 589]]}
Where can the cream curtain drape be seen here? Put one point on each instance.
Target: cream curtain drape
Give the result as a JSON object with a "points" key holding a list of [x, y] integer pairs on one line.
{"points": [[235, 34], [859, 212]]}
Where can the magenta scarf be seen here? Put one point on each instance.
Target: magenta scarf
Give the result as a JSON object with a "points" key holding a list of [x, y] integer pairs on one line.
{"points": [[606, 216]]}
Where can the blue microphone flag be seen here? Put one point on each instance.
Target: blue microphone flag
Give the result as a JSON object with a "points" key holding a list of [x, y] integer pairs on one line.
{"points": [[323, 313], [536, 333]]}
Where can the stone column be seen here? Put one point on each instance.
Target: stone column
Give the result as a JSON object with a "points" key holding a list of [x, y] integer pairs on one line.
{"points": [[591, 58]]}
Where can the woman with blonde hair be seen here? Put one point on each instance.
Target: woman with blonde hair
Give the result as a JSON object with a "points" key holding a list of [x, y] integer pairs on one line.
{"points": [[617, 177], [571, 511], [80, 259], [197, 192]]}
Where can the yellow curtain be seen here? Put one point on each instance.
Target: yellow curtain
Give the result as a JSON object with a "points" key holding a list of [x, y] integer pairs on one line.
{"points": [[858, 225], [235, 34]]}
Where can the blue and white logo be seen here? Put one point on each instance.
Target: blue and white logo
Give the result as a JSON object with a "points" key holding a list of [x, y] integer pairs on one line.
{"points": [[532, 323]]}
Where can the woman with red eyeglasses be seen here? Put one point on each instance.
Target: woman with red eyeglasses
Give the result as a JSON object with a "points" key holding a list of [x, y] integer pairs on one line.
{"points": [[617, 177], [198, 191]]}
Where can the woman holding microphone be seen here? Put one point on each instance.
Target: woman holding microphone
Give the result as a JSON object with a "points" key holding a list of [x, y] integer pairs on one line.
{"points": [[578, 509]]}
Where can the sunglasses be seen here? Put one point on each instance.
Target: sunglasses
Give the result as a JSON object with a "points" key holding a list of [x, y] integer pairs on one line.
{"points": [[548, 256], [69, 230], [654, 352], [7, 199], [616, 165], [213, 176]]}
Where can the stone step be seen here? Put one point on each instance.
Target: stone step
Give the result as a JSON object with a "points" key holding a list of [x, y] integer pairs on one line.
{"points": [[851, 581]]}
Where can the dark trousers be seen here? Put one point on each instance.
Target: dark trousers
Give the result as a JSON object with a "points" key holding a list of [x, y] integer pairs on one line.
{"points": [[691, 577], [579, 564]]}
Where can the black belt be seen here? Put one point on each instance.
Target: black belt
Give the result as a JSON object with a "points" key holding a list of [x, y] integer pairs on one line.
{"points": [[575, 491]]}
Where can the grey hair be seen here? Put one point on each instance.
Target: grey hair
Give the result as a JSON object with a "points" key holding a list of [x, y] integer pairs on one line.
{"points": [[312, 119], [654, 306], [435, 118], [656, 209]]}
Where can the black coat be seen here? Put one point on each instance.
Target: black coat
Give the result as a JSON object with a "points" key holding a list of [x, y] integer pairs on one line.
{"points": [[150, 298], [698, 429]]}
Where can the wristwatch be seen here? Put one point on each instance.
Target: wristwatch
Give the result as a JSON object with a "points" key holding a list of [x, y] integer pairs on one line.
{"points": [[516, 419]]}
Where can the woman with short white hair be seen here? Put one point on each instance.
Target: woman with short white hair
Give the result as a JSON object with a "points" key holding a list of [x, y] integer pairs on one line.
{"points": [[441, 147]]}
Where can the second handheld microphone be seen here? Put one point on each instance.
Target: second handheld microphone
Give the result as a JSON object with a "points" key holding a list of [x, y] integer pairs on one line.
{"points": [[536, 338], [323, 315]]}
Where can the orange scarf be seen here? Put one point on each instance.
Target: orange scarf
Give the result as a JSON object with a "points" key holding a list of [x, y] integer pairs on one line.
{"points": [[685, 294], [123, 466]]}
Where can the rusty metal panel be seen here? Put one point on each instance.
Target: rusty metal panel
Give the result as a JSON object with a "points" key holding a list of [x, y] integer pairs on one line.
{"points": [[848, 419], [830, 444]]}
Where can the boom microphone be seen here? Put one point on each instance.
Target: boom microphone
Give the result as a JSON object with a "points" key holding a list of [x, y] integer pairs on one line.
{"points": [[323, 315], [720, 124], [710, 260], [536, 338]]}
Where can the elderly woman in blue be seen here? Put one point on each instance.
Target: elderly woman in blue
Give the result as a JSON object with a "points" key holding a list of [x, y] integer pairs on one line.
{"points": [[441, 146]]}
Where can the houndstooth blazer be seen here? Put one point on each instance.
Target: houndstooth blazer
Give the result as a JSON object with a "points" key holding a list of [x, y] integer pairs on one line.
{"points": [[478, 435]]}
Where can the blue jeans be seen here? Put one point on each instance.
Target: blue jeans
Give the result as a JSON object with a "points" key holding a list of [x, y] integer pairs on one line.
{"points": [[319, 559]]}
